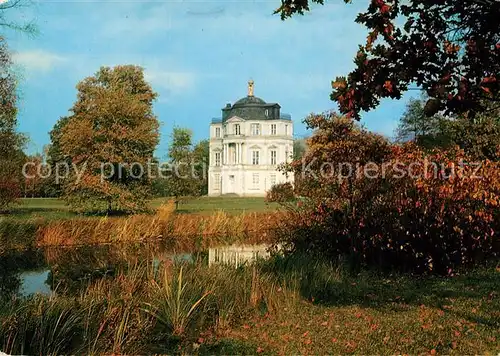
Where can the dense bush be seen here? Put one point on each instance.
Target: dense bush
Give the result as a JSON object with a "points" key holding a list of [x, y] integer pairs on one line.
{"points": [[9, 192], [400, 207], [282, 192]]}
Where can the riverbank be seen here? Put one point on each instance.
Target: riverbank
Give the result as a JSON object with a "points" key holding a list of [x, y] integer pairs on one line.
{"points": [[186, 231], [55, 209], [294, 305]]}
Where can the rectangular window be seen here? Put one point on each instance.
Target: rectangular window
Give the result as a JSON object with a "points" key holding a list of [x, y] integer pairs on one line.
{"points": [[217, 132], [216, 183], [255, 157], [255, 180], [286, 130], [255, 129], [236, 129], [217, 158], [273, 179], [273, 157], [273, 129]]}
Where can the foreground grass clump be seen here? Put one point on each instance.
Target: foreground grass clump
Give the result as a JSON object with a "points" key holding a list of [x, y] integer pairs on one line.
{"points": [[144, 309], [17, 235], [287, 305]]}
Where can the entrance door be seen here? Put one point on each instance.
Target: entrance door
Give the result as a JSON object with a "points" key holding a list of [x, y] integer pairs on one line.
{"points": [[230, 188]]}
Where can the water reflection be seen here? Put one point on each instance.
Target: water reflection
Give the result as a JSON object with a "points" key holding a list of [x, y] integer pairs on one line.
{"points": [[65, 270], [34, 282], [237, 255]]}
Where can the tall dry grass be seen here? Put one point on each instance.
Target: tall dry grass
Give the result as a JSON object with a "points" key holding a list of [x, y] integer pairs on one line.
{"points": [[140, 310], [183, 230]]}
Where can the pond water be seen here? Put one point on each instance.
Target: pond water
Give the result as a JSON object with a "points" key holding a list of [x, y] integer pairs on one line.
{"points": [[46, 271]]}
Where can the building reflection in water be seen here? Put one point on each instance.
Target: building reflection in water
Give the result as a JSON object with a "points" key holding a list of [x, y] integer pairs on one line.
{"points": [[237, 255]]}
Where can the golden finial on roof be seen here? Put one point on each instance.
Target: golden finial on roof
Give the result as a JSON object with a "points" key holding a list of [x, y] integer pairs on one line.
{"points": [[250, 87]]}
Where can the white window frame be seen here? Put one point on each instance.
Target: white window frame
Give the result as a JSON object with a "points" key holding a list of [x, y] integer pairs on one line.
{"points": [[237, 129], [255, 157], [273, 129], [217, 159], [255, 128], [233, 155], [274, 157], [272, 179], [217, 132], [216, 183], [255, 180]]}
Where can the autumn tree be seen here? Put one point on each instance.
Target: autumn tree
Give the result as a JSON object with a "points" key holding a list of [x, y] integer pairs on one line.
{"points": [[450, 48], [11, 142], [390, 205], [336, 151], [33, 181], [109, 139]]}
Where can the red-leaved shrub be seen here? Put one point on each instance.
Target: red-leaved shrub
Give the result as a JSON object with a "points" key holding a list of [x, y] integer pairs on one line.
{"points": [[391, 206]]}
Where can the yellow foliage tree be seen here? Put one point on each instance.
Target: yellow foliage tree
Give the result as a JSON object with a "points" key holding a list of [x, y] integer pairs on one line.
{"points": [[110, 139]]}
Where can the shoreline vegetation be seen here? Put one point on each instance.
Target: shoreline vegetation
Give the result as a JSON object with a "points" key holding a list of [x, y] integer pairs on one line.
{"points": [[284, 305], [183, 230], [132, 295]]}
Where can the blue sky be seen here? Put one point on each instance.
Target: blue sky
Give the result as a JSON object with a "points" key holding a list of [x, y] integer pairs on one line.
{"points": [[198, 55]]}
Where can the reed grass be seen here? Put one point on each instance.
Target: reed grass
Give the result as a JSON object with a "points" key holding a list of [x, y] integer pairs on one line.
{"points": [[175, 302], [151, 308], [142, 307], [188, 231]]}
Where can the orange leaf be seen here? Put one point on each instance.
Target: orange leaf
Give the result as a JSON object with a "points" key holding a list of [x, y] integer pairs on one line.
{"points": [[388, 86]]}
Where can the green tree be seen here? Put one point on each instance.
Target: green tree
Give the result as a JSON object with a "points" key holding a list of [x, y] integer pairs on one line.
{"points": [[479, 138], [179, 182], [451, 48], [299, 148], [415, 125], [110, 139], [56, 160], [201, 155], [186, 176]]}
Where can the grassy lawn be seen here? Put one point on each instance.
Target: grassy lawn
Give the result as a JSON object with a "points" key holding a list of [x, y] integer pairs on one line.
{"points": [[380, 315], [53, 209]]}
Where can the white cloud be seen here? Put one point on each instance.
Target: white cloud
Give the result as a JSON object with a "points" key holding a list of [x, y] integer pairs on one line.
{"points": [[37, 60], [170, 83]]}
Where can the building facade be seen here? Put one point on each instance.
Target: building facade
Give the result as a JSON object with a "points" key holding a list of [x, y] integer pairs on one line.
{"points": [[246, 146]]}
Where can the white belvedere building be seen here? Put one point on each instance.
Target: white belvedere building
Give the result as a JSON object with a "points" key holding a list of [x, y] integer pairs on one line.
{"points": [[246, 147]]}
